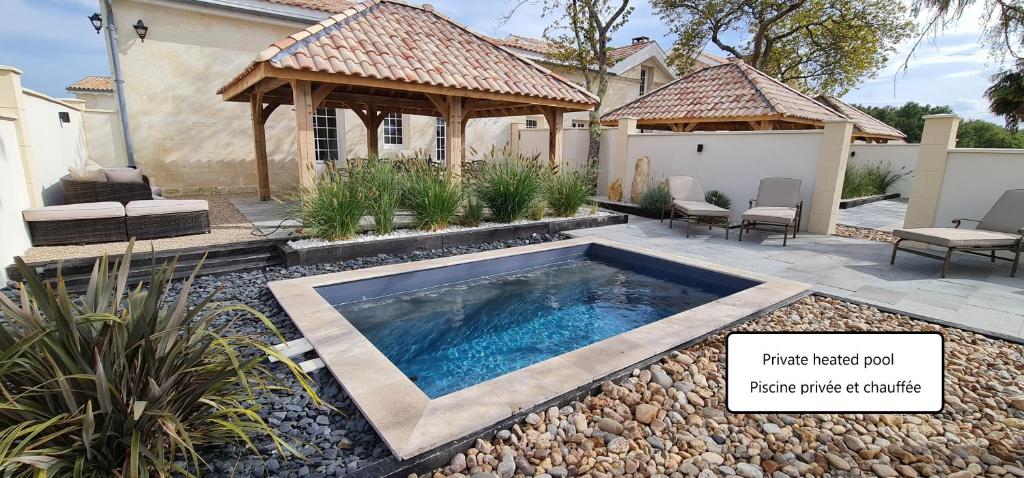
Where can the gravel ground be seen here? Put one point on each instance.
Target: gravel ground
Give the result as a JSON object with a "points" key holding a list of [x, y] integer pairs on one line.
{"points": [[670, 419], [227, 225], [863, 233]]}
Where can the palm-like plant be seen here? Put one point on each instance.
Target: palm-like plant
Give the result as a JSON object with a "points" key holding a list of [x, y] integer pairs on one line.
{"points": [[1006, 96], [126, 382]]}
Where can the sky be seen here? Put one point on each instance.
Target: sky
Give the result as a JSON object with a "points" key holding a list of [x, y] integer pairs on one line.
{"points": [[54, 45]]}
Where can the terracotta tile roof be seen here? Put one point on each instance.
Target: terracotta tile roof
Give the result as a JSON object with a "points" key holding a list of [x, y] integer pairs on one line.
{"points": [[732, 90], [102, 84], [622, 52], [535, 45], [862, 121], [389, 40], [329, 6]]}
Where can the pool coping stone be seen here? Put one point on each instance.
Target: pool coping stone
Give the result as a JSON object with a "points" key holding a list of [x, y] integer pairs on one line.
{"points": [[410, 423]]}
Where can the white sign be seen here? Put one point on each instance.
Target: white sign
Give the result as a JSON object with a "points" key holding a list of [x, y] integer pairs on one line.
{"points": [[834, 372]]}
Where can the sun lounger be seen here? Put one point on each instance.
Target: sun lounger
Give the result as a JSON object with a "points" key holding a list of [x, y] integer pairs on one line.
{"points": [[688, 201], [1000, 230], [778, 204]]}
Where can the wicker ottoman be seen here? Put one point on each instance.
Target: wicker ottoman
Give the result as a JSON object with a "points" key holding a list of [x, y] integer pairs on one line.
{"points": [[86, 223], [157, 218]]}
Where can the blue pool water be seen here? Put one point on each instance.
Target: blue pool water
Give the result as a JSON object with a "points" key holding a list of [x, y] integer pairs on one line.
{"points": [[451, 336]]}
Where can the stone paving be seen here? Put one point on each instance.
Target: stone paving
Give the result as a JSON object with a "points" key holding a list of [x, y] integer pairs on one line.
{"points": [[881, 215], [976, 294]]}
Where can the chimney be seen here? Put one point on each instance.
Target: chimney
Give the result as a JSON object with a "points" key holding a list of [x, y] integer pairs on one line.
{"points": [[637, 40]]}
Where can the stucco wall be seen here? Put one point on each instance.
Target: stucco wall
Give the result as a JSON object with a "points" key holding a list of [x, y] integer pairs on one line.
{"points": [[974, 180], [56, 146], [14, 238], [575, 143], [902, 157], [185, 136], [731, 162], [103, 129]]}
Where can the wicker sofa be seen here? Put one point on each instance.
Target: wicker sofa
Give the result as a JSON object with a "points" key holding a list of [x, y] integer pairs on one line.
{"points": [[80, 192], [110, 221]]}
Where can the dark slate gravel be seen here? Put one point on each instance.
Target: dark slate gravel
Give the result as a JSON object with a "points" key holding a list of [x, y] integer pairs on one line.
{"points": [[335, 442]]}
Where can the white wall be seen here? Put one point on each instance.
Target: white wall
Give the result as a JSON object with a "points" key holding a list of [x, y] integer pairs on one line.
{"points": [[13, 198], [575, 142], [731, 162], [56, 146], [974, 180], [101, 129], [901, 156]]}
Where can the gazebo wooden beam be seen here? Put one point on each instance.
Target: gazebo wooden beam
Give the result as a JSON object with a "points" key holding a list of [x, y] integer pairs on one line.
{"points": [[555, 119], [259, 135], [303, 100]]}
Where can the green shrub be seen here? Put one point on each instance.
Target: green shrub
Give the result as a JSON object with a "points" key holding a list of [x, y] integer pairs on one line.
{"points": [[433, 197], [127, 382], [472, 213], [656, 198], [537, 210], [509, 188], [870, 179], [718, 198], [382, 185], [332, 208], [567, 191]]}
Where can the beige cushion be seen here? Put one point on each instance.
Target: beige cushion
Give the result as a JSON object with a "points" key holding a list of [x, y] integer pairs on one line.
{"points": [[86, 174], [700, 208], [154, 207], [90, 210], [123, 175], [1005, 215], [771, 215], [778, 192], [951, 237]]}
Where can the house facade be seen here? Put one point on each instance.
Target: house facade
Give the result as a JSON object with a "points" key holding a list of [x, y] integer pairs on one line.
{"points": [[189, 140]]}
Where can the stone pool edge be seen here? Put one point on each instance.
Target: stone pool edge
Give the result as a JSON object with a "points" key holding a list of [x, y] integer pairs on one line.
{"points": [[410, 423]]}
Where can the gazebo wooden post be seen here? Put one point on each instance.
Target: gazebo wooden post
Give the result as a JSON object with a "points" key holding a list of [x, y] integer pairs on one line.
{"points": [[455, 136], [372, 121], [259, 136], [554, 117], [302, 98]]}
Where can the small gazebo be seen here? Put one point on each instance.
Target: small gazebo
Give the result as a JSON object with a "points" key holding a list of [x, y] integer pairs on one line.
{"points": [[384, 56], [736, 97]]}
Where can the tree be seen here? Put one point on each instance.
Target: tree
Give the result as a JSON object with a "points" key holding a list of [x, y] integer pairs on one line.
{"points": [[971, 134], [1006, 95], [580, 35], [985, 134], [907, 118], [822, 46]]}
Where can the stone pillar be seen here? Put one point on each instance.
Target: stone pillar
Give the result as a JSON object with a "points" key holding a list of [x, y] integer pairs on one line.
{"points": [[937, 138], [619, 163], [12, 106], [828, 181]]}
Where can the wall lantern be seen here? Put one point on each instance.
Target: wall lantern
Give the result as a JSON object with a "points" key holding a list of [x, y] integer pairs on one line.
{"points": [[700, 148], [64, 117], [141, 29], [97, 22]]}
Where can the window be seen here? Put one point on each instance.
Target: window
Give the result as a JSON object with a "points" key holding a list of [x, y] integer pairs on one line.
{"points": [[531, 123], [643, 81], [325, 134], [393, 130], [439, 141], [579, 124]]}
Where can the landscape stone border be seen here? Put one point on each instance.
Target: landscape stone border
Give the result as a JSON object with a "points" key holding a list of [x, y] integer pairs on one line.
{"points": [[854, 202], [404, 245]]}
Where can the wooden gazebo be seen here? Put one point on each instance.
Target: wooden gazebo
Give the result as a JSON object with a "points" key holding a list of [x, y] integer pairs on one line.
{"points": [[381, 57], [736, 97]]}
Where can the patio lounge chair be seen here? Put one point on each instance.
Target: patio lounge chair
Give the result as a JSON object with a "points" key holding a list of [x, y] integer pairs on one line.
{"points": [[1000, 230], [778, 204], [688, 200]]}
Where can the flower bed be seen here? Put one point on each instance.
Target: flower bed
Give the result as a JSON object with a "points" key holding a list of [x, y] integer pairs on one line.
{"points": [[403, 241]]}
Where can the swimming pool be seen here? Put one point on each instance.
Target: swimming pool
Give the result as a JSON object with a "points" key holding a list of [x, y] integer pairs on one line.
{"points": [[456, 334], [435, 350]]}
